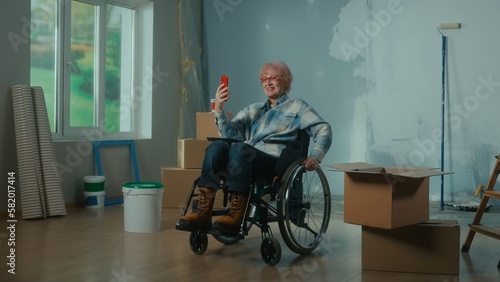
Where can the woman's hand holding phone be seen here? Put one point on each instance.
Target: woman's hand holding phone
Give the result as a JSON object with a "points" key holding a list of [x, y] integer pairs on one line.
{"points": [[222, 94]]}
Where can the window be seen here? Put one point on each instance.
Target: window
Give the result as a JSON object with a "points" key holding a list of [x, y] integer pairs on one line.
{"points": [[91, 57]]}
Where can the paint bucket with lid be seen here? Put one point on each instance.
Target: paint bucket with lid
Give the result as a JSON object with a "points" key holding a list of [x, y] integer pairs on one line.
{"points": [[142, 203]]}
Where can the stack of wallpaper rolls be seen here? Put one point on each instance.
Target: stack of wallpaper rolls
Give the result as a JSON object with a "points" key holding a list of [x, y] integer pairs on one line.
{"points": [[39, 182]]}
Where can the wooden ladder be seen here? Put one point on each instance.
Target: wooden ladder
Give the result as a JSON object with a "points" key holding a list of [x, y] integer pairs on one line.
{"points": [[476, 226]]}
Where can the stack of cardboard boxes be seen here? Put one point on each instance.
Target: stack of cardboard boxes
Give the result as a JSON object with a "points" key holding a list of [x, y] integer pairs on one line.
{"points": [[392, 205], [178, 180]]}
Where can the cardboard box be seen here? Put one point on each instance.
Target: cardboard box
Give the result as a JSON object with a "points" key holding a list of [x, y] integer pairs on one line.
{"points": [[385, 197], [177, 184], [431, 247], [190, 152], [205, 125]]}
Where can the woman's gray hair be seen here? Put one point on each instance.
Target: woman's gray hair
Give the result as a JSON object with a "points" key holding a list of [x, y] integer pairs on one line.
{"points": [[284, 73]]}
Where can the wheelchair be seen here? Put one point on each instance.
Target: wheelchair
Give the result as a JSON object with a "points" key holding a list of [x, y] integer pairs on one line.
{"points": [[297, 199]]}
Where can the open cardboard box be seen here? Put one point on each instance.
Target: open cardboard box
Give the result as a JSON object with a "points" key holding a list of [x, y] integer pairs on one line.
{"points": [[385, 197]]}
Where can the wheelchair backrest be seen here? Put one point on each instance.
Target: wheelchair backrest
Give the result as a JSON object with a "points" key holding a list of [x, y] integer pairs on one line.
{"points": [[303, 139]]}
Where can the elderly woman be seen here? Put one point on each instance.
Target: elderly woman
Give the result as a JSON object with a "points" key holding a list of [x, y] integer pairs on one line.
{"points": [[279, 117]]}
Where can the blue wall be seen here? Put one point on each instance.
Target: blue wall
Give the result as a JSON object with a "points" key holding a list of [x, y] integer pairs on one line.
{"points": [[240, 38], [373, 70]]}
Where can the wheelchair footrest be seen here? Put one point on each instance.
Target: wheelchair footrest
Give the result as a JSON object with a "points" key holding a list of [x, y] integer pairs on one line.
{"points": [[189, 229], [217, 233], [208, 231], [183, 228]]}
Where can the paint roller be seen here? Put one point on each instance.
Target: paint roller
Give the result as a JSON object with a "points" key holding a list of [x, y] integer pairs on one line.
{"points": [[450, 26], [440, 28]]}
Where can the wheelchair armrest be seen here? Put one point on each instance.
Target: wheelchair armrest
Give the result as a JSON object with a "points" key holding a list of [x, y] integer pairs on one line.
{"points": [[288, 143], [228, 140]]}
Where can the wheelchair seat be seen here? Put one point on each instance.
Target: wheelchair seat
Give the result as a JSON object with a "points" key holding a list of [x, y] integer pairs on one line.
{"points": [[300, 203]]}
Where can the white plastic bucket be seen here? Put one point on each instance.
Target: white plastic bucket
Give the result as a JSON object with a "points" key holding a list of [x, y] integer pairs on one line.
{"points": [[142, 206], [94, 200]]}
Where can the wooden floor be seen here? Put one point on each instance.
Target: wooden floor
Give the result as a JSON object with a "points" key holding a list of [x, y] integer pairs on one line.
{"points": [[90, 245]]}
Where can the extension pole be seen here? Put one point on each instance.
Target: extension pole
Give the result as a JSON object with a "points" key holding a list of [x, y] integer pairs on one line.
{"points": [[443, 92]]}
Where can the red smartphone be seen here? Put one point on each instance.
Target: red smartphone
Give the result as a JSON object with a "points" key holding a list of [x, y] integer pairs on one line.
{"points": [[224, 80]]}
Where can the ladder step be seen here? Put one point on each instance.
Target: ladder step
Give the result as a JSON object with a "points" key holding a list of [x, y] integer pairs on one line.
{"points": [[485, 230], [492, 194]]}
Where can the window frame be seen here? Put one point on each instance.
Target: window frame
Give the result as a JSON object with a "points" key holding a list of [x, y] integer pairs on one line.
{"points": [[140, 123]]}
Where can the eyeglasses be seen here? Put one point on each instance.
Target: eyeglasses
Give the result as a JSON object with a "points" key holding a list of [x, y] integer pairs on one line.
{"points": [[273, 78]]}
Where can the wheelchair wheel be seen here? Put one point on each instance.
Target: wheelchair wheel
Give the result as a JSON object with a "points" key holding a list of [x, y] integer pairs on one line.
{"points": [[304, 206], [198, 241], [270, 250]]}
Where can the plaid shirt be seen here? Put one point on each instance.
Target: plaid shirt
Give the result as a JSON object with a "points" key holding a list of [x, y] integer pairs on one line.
{"points": [[259, 121]]}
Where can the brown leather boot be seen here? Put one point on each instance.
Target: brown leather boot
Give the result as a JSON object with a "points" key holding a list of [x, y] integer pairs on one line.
{"points": [[201, 218], [231, 222]]}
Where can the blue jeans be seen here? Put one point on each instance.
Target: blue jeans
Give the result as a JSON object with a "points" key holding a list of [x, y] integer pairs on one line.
{"points": [[239, 164]]}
